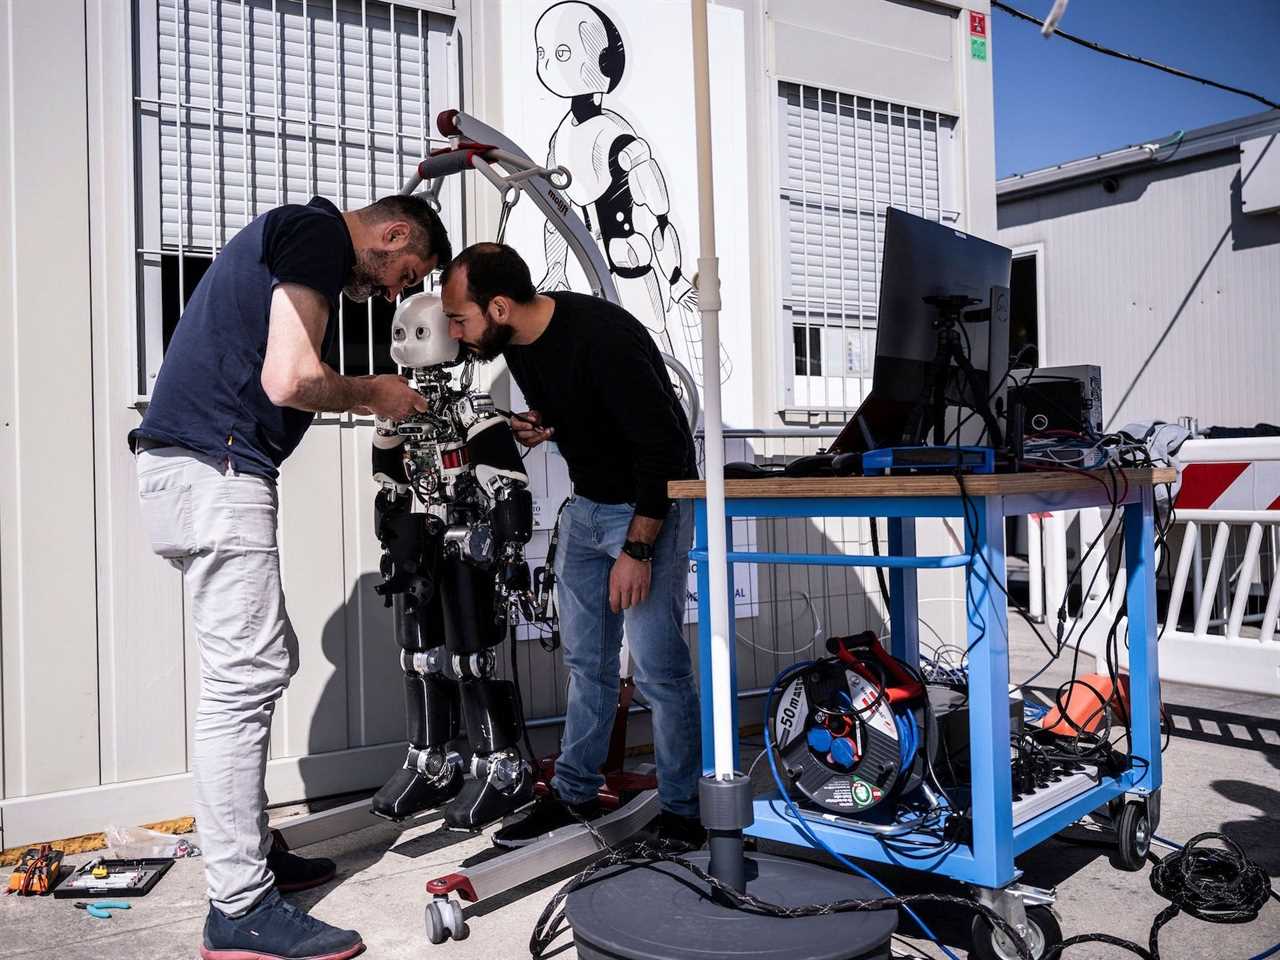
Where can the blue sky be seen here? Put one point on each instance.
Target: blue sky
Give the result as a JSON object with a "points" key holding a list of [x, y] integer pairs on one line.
{"points": [[1057, 101]]}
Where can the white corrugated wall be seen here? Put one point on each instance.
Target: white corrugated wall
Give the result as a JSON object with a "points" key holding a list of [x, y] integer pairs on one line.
{"points": [[1167, 284]]}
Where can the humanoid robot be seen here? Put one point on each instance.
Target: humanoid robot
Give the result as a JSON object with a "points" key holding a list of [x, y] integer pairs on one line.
{"points": [[458, 573], [617, 183]]}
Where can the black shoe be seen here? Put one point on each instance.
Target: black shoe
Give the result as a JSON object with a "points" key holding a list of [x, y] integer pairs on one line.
{"points": [[409, 792], [675, 834], [275, 930], [507, 787], [293, 872], [549, 813]]}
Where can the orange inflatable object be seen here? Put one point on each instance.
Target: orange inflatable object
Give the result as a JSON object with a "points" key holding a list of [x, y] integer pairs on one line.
{"points": [[1085, 702]]}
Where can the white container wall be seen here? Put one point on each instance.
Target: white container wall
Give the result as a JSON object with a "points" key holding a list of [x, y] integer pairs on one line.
{"points": [[98, 668]]}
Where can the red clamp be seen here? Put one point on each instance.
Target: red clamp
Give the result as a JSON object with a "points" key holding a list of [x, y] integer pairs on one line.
{"points": [[450, 883]]}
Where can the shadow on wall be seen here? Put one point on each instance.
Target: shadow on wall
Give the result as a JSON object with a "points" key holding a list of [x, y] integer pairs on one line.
{"points": [[362, 701]]}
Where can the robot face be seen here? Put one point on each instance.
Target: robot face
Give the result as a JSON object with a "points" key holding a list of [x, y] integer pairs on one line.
{"points": [[579, 50], [420, 333]]}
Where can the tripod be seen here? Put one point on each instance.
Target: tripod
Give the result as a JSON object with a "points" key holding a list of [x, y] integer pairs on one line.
{"points": [[932, 408]]}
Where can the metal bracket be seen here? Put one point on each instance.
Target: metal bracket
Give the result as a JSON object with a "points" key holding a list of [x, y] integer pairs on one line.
{"points": [[1011, 904], [559, 848]]}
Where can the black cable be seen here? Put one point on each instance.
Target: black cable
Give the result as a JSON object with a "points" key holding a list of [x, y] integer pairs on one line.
{"points": [[1209, 883], [645, 853], [1099, 48], [875, 549]]}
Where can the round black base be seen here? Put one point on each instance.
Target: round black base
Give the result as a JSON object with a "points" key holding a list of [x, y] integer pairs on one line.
{"points": [[662, 912]]}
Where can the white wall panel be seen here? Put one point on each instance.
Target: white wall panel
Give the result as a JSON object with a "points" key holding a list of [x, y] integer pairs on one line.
{"points": [[50, 655], [375, 684], [901, 52], [312, 715]]}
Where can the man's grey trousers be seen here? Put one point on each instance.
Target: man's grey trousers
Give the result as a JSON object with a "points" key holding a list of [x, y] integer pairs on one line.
{"points": [[219, 528]]}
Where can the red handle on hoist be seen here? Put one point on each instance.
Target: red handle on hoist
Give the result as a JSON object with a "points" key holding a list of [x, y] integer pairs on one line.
{"points": [[901, 685]]}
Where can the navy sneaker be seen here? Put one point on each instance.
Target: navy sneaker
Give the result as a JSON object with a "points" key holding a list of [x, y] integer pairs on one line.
{"points": [[547, 813], [294, 873], [275, 930], [675, 834]]}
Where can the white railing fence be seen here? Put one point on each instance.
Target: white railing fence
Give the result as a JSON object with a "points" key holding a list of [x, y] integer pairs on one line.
{"points": [[1218, 589]]}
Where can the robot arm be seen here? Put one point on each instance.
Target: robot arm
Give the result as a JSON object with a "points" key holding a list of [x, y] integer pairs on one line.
{"points": [[644, 176]]}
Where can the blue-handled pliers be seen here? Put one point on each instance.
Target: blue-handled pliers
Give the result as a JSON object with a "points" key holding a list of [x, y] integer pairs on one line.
{"points": [[102, 908]]}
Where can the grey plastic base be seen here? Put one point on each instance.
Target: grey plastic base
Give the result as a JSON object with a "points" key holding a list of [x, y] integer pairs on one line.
{"points": [[663, 912]]}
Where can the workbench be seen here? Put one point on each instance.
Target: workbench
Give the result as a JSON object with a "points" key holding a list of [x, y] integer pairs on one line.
{"points": [[982, 504]]}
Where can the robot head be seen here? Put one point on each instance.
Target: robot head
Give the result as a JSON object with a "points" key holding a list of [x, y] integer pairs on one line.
{"points": [[580, 51], [420, 333]]}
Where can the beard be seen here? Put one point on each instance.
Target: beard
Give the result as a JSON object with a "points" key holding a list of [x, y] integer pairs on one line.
{"points": [[363, 282], [492, 342]]}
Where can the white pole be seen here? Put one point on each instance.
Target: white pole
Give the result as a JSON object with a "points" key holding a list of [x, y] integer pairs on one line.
{"points": [[709, 305]]}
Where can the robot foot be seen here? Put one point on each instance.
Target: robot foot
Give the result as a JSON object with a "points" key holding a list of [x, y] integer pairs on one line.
{"points": [[409, 792], [506, 788]]}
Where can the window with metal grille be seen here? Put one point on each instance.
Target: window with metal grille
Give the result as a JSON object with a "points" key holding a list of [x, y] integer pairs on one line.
{"points": [[244, 105], [844, 160]]}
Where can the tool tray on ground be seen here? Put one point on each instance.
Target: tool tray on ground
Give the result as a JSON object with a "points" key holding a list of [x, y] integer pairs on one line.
{"points": [[82, 885]]}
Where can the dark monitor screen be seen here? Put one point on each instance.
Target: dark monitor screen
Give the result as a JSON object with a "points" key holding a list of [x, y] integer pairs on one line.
{"points": [[923, 258]]}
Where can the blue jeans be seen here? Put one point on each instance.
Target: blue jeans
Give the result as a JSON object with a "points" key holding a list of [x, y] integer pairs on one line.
{"points": [[591, 537]]}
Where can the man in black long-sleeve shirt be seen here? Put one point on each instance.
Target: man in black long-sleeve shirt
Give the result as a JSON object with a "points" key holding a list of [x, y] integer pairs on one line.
{"points": [[597, 386]]}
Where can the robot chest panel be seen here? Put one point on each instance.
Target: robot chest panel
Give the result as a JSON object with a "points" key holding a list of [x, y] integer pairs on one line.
{"points": [[584, 148]]}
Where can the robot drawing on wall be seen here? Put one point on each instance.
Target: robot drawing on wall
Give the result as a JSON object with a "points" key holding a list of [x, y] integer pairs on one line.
{"points": [[618, 186], [457, 572]]}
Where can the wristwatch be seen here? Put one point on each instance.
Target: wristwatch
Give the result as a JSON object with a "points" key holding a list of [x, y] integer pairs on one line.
{"points": [[638, 551]]}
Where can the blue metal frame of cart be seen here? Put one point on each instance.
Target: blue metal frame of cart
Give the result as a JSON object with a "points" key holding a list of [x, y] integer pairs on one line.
{"points": [[988, 860]]}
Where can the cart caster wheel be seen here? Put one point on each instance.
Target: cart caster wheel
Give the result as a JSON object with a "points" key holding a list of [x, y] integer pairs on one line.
{"points": [[444, 921], [1133, 833], [1043, 933]]}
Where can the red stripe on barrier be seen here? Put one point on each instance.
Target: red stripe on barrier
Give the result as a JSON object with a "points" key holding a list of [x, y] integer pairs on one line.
{"points": [[1275, 504], [1204, 483]]}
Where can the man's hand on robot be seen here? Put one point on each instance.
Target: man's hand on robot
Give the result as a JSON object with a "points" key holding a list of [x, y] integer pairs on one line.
{"points": [[392, 398], [528, 428]]}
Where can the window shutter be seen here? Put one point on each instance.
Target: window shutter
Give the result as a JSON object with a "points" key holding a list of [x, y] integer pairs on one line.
{"points": [[844, 161], [281, 101]]}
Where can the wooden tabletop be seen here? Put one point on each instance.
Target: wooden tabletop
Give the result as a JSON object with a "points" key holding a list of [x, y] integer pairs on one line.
{"points": [[976, 485]]}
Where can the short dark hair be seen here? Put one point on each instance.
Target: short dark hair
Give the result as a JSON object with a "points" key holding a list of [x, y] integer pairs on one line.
{"points": [[428, 237], [493, 270]]}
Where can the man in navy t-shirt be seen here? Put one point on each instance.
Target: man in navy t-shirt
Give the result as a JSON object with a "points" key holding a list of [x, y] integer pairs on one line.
{"points": [[241, 381]]}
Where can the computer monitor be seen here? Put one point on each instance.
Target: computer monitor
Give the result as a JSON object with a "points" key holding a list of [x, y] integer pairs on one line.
{"points": [[925, 259]]}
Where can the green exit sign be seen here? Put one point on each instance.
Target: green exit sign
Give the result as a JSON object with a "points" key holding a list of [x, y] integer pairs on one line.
{"points": [[978, 48]]}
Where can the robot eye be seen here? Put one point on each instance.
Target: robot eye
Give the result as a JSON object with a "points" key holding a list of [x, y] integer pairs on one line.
{"points": [[563, 53], [423, 333], [542, 54], [397, 334]]}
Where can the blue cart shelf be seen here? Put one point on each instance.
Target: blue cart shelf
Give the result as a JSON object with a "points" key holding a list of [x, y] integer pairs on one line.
{"points": [[988, 861]]}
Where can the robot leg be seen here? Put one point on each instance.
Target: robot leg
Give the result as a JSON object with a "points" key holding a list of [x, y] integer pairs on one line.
{"points": [[432, 773], [502, 780]]}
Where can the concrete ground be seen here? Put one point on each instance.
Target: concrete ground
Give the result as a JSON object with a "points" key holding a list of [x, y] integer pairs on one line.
{"points": [[1222, 772]]}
